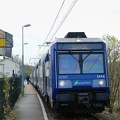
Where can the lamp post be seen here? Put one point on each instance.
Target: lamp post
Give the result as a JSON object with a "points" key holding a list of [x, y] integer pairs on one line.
{"points": [[27, 25]]}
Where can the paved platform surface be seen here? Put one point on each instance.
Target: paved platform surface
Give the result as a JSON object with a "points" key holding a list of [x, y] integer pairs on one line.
{"points": [[28, 107]]}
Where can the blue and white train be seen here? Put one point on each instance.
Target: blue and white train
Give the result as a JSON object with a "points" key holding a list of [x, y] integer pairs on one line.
{"points": [[73, 74]]}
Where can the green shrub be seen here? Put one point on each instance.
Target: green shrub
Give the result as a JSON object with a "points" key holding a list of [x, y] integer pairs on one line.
{"points": [[7, 108]]}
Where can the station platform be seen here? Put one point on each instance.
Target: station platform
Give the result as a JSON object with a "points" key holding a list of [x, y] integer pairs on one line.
{"points": [[30, 106]]}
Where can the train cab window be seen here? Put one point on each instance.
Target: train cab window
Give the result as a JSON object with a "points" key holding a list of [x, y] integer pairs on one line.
{"points": [[68, 64], [93, 63], [80, 63]]}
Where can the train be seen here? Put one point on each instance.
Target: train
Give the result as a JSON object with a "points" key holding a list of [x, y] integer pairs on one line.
{"points": [[72, 74]]}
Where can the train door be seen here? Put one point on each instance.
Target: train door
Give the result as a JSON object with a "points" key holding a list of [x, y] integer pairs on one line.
{"points": [[44, 81], [45, 74]]}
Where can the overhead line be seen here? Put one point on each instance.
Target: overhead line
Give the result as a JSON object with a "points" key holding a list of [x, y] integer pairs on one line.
{"points": [[66, 15], [52, 26], [54, 21]]}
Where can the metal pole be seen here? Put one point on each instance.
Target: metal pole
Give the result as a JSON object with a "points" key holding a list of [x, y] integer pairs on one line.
{"points": [[22, 60], [27, 25]]}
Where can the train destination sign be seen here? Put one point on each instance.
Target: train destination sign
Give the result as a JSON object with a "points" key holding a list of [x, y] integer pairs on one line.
{"points": [[80, 46]]}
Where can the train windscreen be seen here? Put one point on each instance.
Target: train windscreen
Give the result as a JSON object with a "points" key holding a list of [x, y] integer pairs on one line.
{"points": [[81, 63]]}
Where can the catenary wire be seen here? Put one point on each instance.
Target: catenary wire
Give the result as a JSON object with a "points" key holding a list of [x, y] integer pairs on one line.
{"points": [[54, 21], [64, 18], [52, 25]]}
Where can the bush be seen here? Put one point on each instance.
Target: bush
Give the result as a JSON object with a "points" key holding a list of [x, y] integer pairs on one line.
{"points": [[7, 108]]}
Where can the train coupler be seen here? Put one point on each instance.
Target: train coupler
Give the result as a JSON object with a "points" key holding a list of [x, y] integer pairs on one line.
{"points": [[83, 98]]}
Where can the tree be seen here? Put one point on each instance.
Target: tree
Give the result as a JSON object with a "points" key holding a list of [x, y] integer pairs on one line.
{"points": [[17, 59], [113, 53], [27, 69]]}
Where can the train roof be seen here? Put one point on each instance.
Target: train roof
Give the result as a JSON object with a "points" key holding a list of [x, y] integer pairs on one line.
{"points": [[73, 40]]}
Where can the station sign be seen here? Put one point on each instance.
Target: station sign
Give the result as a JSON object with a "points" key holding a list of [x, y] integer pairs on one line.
{"points": [[6, 43], [2, 42]]}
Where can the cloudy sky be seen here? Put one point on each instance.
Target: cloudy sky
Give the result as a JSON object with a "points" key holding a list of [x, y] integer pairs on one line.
{"points": [[94, 17]]}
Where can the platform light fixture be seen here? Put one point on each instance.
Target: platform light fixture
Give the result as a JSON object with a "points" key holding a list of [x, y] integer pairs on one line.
{"points": [[27, 25]]}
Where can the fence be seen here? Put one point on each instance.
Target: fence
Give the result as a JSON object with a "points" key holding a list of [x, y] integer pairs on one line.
{"points": [[14, 92], [1, 98]]}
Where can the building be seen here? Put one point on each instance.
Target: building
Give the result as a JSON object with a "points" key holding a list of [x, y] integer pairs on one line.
{"points": [[9, 67], [6, 44]]}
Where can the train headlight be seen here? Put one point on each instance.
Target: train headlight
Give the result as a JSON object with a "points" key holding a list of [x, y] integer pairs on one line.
{"points": [[62, 83], [65, 84], [99, 83]]}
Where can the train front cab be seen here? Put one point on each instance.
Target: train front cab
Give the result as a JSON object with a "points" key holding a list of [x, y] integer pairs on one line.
{"points": [[80, 76]]}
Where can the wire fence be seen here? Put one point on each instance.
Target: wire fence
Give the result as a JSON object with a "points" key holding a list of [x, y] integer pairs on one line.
{"points": [[14, 92]]}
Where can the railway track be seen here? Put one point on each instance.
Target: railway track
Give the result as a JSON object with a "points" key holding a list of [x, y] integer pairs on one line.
{"points": [[73, 116], [57, 115]]}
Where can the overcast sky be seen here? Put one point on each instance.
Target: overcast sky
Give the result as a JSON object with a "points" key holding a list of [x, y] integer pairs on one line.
{"points": [[94, 17]]}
